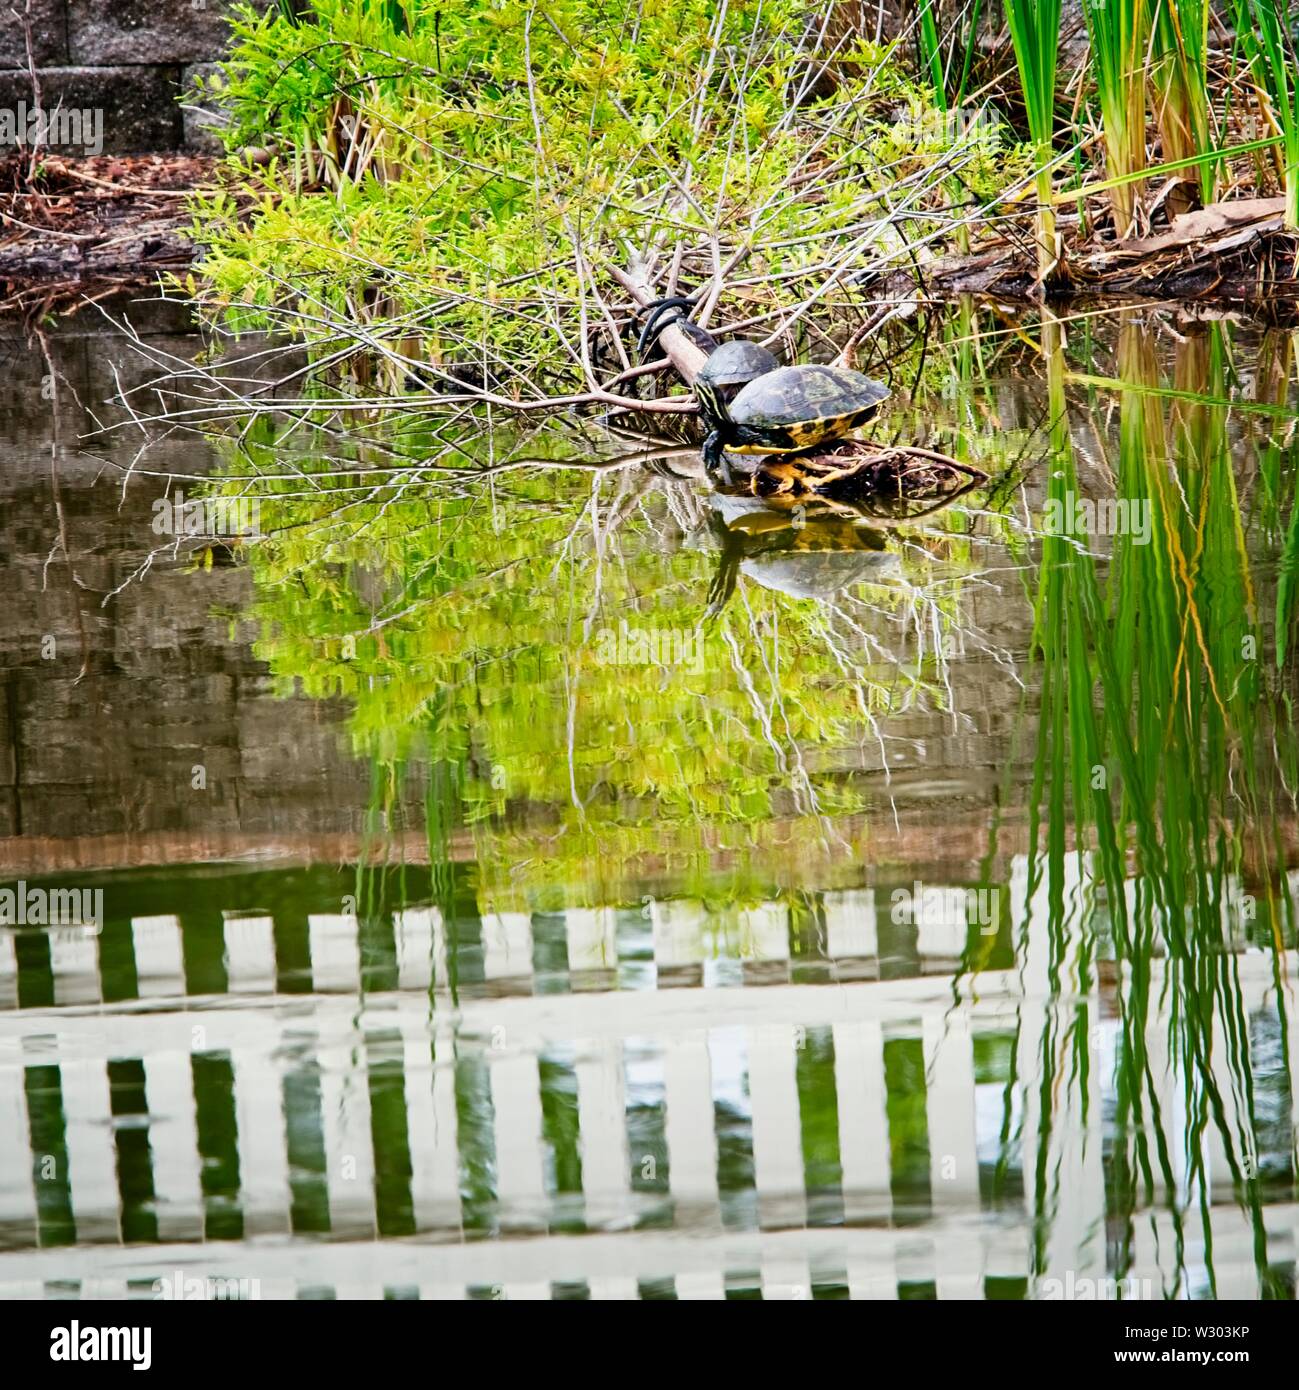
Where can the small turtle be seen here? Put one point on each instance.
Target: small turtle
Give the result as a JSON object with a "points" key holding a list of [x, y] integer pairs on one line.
{"points": [[786, 412], [731, 367]]}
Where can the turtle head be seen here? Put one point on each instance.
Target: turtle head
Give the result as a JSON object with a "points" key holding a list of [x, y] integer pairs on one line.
{"points": [[729, 369], [711, 405]]}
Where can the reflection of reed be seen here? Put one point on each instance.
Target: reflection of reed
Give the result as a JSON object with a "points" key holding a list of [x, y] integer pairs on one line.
{"points": [[1153, 718]]}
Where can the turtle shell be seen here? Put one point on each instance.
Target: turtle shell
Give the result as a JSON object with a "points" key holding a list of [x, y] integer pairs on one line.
{"points": [[737, 363], [805, 405], [818, 574]]}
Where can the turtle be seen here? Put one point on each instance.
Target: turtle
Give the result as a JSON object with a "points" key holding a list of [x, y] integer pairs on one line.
{"points": [[732, 366], [786, 411], [807, 559]]}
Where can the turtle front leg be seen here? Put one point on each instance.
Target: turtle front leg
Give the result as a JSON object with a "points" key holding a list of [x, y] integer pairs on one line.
{"points": [[715, 458]]}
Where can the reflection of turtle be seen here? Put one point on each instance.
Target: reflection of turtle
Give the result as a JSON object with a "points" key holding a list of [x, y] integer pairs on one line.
{"points": [[887, 483], [786, 411], [818, 574], [804, 558]]}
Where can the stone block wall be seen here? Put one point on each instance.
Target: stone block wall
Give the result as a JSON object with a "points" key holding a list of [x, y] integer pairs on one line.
{"points": [[126, 61]]}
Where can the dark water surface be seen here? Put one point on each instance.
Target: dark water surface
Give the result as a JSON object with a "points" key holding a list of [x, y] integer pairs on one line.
{"points": [[480, 919]]}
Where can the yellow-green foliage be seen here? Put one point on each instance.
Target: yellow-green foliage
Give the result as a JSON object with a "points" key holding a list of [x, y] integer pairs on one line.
{"points": [[475, 631]]}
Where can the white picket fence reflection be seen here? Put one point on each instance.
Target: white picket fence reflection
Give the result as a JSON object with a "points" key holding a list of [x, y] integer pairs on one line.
{"points": [[661, 1127]]}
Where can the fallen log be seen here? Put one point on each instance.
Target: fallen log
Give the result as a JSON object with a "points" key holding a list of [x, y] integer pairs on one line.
{"points": [[856, 471], [686, 356], [105, 222], [1236, 254], [1211, 231]]}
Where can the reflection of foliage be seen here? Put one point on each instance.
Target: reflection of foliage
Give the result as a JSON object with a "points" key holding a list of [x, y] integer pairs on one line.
{"points": [[465, 592], [530, 630]]}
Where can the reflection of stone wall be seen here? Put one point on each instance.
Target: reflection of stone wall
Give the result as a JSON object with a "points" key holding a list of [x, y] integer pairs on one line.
{"points": [[106, 729], [130, 59]]}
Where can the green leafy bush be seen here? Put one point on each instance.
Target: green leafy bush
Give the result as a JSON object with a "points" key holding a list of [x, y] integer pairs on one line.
{"points": [[455, 179]]}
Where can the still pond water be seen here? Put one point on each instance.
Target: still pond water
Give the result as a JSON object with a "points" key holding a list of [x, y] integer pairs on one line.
{"points": [[558, 883]]}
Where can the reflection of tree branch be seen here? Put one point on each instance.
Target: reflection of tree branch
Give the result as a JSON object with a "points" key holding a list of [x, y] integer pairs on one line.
{"points": [[628, 459], [55, 445]]}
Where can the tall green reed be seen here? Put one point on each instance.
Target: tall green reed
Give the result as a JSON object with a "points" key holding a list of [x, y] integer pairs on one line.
{"points": [[1274, 67], [946, 46], [941, 62], [1120, 33], [1035, 33], [1150, 776], [1180, 84]]}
